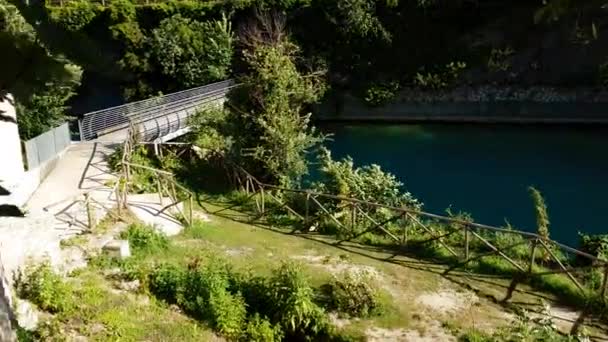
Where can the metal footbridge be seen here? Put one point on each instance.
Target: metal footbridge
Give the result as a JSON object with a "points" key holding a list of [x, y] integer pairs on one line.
{"points": [[157, 119]]}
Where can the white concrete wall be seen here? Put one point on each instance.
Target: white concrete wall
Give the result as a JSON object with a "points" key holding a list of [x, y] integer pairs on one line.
{"points": [[10, 151]]}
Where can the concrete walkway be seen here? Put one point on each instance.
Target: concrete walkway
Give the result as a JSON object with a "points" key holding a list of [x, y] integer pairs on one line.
{"points": [[83, 168]]}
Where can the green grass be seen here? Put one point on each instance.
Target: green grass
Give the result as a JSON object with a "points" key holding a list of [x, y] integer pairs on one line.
{"points": [[103, 314], [259, 249]]}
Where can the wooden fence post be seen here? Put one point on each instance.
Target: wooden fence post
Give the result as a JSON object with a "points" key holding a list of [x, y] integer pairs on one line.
{"points": [[306, 210], [532, 256], [90, 211], [117, 194], [605, 284], [466, 243], [353, 217], [191, 208], [160, 190], [263, 204]]}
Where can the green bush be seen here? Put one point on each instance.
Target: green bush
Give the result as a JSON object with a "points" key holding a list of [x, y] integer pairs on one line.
{"points": [[596, 245], [257, 294], [198, 283], [293, 305], [227, 311], [192, 53], [145, 239], [114, 159], [75, 14], [45, 288], [165, 282], [444, 76], [354, 294], [499, 59], [261, 330], [379, 94]]}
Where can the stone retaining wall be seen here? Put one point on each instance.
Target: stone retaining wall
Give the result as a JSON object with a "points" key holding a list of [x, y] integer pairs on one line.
{"points": [[492, 105]]}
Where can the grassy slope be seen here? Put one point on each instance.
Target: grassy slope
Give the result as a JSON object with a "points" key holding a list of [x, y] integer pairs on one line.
{"points": [[136, 317]]}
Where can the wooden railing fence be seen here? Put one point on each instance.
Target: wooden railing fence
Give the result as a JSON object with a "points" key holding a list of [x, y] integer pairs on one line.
{"points": [[404, 221], [165, 182]]}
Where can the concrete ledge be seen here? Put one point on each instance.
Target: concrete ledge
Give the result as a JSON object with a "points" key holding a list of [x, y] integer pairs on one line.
{"points": [[29, 182]]}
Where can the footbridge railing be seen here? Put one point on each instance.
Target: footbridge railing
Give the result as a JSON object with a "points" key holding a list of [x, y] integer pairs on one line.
{"points": [[156, 117]]}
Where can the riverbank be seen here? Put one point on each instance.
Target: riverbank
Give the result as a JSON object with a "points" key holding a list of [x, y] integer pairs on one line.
{"points": [[474, 105]]}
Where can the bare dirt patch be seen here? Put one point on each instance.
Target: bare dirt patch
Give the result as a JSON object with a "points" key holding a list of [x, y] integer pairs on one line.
{"points": [[447, 300], [337, 265], [339, 322], [431, 332], [240, 251]]}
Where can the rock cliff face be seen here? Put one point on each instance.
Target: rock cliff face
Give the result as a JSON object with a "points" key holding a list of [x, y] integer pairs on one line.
{"points": [[6, 313]]}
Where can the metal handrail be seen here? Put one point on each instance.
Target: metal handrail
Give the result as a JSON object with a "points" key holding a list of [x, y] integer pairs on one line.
{"points": [[102, 120]]}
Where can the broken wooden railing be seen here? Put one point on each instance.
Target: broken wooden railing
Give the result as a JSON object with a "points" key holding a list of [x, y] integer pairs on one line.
{"points": [[539, 257], [166, 184]]}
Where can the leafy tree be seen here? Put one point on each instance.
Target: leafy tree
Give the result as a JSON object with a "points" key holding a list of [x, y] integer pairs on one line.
{"points": [[192, 53], [358, 18], [271, 103], [41, 83]]}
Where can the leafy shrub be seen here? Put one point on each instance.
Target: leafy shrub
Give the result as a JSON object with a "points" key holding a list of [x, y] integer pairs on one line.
{"points": [[257, 294], [442, 78], [499, 59], [142, 180], [368, 183], [165, 282], [293, 305], [227, 311], [379, 94], [75, 14], [596, 245], [526, 328], [354, 294], [192, 53], [122, 10], [199, 281], [475, 336], [115, 158], [261, 330], [205, 293], [45, 288], [143, 238]]}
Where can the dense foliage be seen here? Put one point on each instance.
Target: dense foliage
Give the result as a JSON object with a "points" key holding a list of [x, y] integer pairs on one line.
{"points": [[244, 307], [40, 81], [45, 288], [271, 102], [192, 53], [151, 48]]}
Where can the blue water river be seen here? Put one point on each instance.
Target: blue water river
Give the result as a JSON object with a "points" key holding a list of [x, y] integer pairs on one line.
{"points": [[486, 170]]}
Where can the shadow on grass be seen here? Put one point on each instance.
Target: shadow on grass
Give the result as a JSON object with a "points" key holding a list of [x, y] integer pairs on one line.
{"points": [[478, 276]]}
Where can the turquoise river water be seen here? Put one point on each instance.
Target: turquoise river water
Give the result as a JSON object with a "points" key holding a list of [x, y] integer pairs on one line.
{"points": [[486, 170]]}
